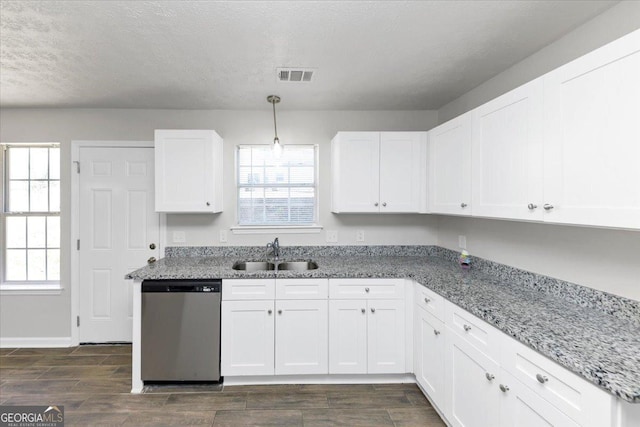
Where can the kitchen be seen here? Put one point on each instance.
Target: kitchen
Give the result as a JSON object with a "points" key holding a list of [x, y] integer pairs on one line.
{"points": [[600, 258]]}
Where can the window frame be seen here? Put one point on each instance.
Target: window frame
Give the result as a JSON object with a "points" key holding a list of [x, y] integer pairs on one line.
{"points": [[313, 227], [44, 287]]}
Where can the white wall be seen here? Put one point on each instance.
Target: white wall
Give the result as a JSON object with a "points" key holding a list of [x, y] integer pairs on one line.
{"points": [[49, 316], [599, 258]]}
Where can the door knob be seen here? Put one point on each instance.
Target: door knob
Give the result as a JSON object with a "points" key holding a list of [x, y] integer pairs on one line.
{"points": [[542, 378], [151, 260], [427, 300], [489, 376], [208, 204], [375, 204], [463, 205], [279, 311], [152, 246], [531, 206], [436, 332], [269, 311], [384, 204], [363, 311], [373, 310], [467, 328], [504, 388], [547, 207]]}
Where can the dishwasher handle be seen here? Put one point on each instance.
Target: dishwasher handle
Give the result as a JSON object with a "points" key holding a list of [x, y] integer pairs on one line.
{"points": [[181, 286]]}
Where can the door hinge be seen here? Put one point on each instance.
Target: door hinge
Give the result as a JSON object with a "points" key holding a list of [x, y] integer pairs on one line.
{"points": [[77, 166], [78, 321], [78, 244]]}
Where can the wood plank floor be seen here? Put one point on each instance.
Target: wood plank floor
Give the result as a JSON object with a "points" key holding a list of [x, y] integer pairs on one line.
{"points": [[93, 384]]}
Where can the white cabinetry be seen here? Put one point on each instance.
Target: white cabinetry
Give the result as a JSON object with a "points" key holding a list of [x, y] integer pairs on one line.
{"points": [[188, 171], [263, 336], [247, 338], [507, 155], [378, 172], [429, 355], [592, 137], [366, 326], [450, 167]]}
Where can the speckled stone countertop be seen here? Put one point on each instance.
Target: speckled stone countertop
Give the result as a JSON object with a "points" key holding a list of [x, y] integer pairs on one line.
{"points": [[599, 341]]}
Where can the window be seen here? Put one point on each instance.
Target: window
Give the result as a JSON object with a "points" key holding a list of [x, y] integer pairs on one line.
{"points": [[277, 192], [30, 214]]}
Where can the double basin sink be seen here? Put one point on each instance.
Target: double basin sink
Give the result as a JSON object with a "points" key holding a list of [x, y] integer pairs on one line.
{"points": [[255, 266]]}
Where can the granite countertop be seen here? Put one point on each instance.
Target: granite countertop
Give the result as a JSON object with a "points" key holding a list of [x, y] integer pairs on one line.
{"points": [[600, 347]]}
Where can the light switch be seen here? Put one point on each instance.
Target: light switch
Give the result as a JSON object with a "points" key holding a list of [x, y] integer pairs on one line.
{"points": [[360, 236], [332, 236], [223, 236]]}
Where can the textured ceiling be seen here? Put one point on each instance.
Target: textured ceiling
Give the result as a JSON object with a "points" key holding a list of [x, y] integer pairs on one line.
{"points": [[385, 55]]}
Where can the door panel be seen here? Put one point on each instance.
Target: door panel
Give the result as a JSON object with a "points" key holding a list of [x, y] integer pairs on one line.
{"points": [[117, 225], [348, 337], [400, 180], [386, 324]]}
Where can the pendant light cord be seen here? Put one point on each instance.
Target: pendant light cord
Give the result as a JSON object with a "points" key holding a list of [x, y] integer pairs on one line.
{"points": [[275, 126]]}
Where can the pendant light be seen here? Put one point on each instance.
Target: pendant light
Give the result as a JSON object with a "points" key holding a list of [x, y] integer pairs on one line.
{"points": [[277, 147]]}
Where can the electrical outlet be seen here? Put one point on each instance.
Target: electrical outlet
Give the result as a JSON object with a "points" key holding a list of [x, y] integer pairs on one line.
{"points": [[179, 237], [462, 242], [223, 236], [332, 236], [360, 236]]}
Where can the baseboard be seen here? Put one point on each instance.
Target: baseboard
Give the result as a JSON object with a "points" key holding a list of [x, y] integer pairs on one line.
{"points": [[320, 379], [34, 342]]}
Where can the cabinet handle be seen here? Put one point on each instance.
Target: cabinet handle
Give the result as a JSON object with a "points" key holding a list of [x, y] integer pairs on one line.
{"points": [[436, 332], [504, 388], [531, 206], [427, 300], [152, 246], [547, 207], [489, 376], [467, 328], [375, 204], [542, 378], [384, 204], [373, 310], [363, 311], [208, 204], [463, 205], [366, 290], [279, 311], [269, 312]]}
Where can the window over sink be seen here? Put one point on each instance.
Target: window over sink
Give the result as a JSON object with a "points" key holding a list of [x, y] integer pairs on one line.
{"points": [[277, 192]]}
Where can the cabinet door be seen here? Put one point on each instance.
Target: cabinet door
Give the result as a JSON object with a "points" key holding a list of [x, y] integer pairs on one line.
{"points": [[402, 159], [247, 338], [472, 394], [385, 333], [592, 138], [507, 155], [355, 172], [347, 337], [522, 407], [302, 337], [188, 173], [429, 354], [450, 167]]}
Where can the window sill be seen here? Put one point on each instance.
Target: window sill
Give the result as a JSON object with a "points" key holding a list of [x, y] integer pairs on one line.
{"points": [[31, 289], [280, 229]]}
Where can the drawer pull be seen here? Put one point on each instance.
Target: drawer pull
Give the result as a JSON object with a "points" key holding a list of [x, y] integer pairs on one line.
{"points": [[269, 311], [279, 311], [542, 378], [504, 388], [427, 300], [373, 310], [489, 376], [363, 311], [467, 328], [436, 332], [366, 290]]}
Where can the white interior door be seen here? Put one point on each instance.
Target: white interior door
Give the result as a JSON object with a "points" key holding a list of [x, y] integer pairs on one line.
{"points": [[118, 226]]}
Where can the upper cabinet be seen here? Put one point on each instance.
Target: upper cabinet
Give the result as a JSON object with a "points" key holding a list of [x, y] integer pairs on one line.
{"points": [[379, 172], [188, 171], [507, 154], [592, 138], [450, 167]]}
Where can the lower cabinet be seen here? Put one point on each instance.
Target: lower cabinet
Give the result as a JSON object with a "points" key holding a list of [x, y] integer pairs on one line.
{"points": [[429, 345], [472, 397], [366, 336], [301, 337], [247, 338]]}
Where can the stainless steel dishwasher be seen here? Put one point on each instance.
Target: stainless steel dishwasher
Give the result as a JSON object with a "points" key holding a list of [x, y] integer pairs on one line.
{"points": [[181, 330]]}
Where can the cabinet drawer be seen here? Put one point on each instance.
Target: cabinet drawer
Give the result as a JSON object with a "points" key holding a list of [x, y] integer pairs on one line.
{"points": [[302, 288], [246, 289], [430, 301], [477, 332], [580, 400], [366, 288]]}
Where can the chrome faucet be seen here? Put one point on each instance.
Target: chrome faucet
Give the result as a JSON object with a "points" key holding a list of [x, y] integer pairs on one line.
{"points": [[275, 248]]}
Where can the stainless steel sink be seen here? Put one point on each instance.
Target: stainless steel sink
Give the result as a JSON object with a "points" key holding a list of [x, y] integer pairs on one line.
{"points": [[297, 265], [253, 266]]}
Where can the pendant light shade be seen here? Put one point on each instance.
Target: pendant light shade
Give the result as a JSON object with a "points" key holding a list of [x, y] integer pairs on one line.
{"points": [[277, 147]]}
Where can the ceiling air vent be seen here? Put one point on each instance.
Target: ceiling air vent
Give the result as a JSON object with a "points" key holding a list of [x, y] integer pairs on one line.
{"points": [[295, 75]]}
